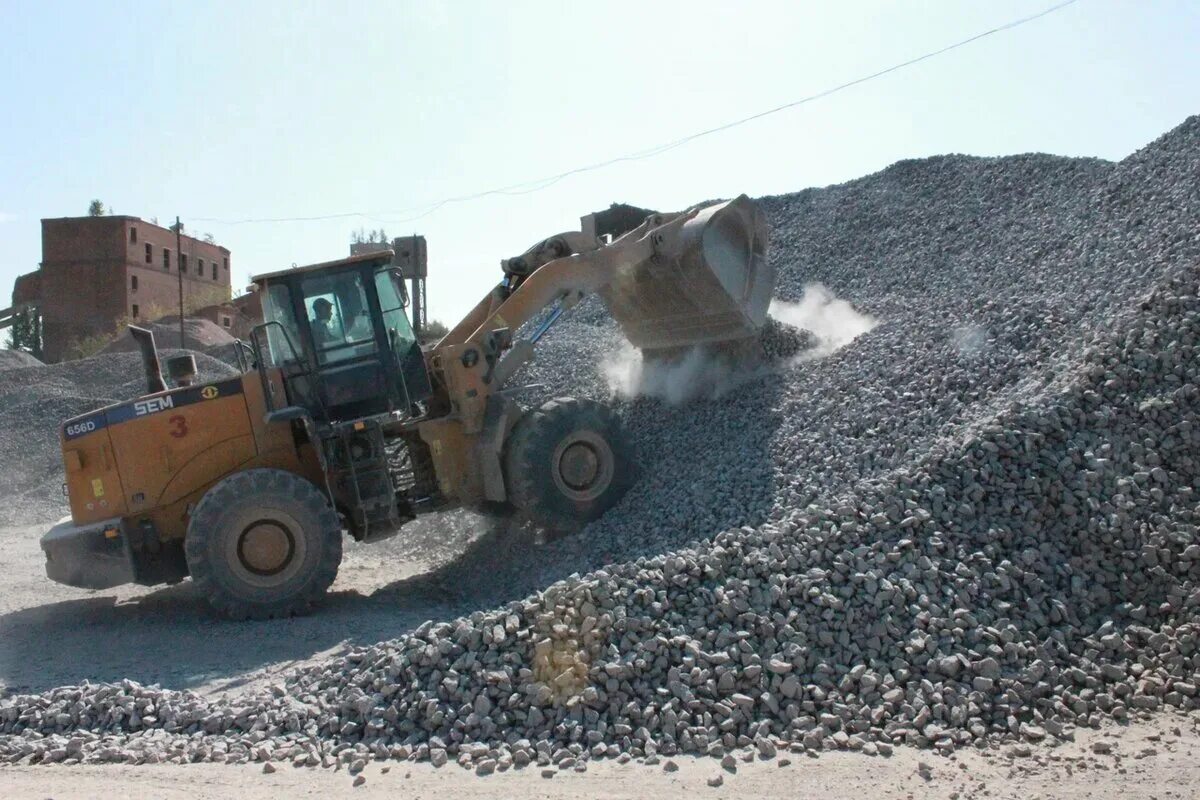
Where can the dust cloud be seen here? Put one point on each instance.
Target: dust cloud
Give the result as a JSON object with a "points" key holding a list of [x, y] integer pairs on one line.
{"points": [[696, 373], [833, 322], [706, 372]]}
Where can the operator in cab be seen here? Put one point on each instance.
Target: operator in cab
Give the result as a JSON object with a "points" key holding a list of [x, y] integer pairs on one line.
{"points": [[323, 326]]}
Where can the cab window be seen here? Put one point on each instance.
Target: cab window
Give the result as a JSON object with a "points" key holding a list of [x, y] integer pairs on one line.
{"points": [[338, 315]]}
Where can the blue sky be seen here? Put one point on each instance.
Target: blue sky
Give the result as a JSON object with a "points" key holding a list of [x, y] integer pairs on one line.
{"points": [[260, 109]]}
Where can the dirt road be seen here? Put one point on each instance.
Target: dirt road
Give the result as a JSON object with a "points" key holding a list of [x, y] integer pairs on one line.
{"points": [[164, 635], [1148, 760]]}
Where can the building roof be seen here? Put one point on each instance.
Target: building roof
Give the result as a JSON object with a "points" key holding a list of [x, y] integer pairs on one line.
{"points": [[381, 256], [131, 218], [102, 216]]}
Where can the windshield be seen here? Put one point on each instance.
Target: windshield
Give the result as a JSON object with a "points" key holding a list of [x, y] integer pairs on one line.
{"points": [[391, 302], [400, 334]]}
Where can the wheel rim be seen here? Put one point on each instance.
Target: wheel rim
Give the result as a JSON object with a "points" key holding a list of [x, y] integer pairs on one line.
{"points": [[582, 466], [266, 548]]}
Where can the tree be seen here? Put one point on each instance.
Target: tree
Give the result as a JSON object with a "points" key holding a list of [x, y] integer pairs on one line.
{"points": [[208, 237], [433, 331], [373, 236], [96, 209], [26, 333]]}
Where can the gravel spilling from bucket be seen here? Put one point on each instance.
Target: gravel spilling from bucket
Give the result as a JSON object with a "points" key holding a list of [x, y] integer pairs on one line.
{"points": [[975, 521]]}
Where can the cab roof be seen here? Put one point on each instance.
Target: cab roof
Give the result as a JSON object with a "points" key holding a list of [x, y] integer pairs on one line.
{"points": [[379, 256]]}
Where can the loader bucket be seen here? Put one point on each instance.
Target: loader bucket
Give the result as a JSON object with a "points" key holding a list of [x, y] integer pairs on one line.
{"points": [[711, 284]]}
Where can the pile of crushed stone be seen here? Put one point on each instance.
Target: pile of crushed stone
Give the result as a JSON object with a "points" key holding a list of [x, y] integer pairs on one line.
{"points": [[972, 522], [15, 359], [201, 334]]}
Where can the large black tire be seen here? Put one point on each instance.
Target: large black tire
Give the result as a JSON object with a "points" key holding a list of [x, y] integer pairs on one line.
{"points": [[263, 543], [566, 463]]}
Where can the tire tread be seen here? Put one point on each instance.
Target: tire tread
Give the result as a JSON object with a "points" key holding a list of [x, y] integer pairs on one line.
{"points": [[536, 434], [255, 483]]}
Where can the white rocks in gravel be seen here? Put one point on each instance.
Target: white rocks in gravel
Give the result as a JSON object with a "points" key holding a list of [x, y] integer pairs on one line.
{"points": [[909, 541]]}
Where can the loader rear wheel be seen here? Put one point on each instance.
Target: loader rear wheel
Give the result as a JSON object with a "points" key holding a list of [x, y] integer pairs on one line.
{"points": [[567, 462], [263, 543]]}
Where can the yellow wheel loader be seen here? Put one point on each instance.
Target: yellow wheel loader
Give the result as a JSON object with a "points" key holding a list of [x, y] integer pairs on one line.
{"points": [[342, 424]]}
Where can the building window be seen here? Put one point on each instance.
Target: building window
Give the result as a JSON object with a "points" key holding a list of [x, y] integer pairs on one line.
{"points": [[183, 262], [149, 254], [214, 270], [225, 321], [135, 311], [133, 235], [200, 267], [226, 262], [133, 284], [166, 258]]}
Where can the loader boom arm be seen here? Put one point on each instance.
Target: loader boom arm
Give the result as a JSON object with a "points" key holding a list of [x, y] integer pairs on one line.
{"points": [[594, 266], [676, 280]]}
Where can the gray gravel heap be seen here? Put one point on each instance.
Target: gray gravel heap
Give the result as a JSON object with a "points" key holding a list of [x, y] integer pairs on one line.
{"points": [[976, 522], [15, 359], [200, 335]]}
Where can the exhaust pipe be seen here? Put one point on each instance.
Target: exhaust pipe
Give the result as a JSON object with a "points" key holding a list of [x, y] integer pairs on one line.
{"points": [[145, 343]]}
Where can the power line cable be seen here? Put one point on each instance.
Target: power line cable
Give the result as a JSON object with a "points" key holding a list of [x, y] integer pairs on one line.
{"points": [[528, 187]]}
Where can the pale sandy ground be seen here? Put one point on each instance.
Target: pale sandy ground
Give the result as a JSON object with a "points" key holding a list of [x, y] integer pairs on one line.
{"points": [[1148, 761], [52, 635]]}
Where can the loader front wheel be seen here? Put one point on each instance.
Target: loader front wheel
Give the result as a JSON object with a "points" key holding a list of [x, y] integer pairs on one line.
{"points": [[263, 543], [567, 462]]}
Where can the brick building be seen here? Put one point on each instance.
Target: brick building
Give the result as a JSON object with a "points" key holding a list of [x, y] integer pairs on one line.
{"points": [[98, 270], [238, 316]]}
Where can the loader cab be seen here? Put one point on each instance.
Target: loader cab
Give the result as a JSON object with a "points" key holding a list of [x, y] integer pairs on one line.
{"points": [[341, 339]]}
